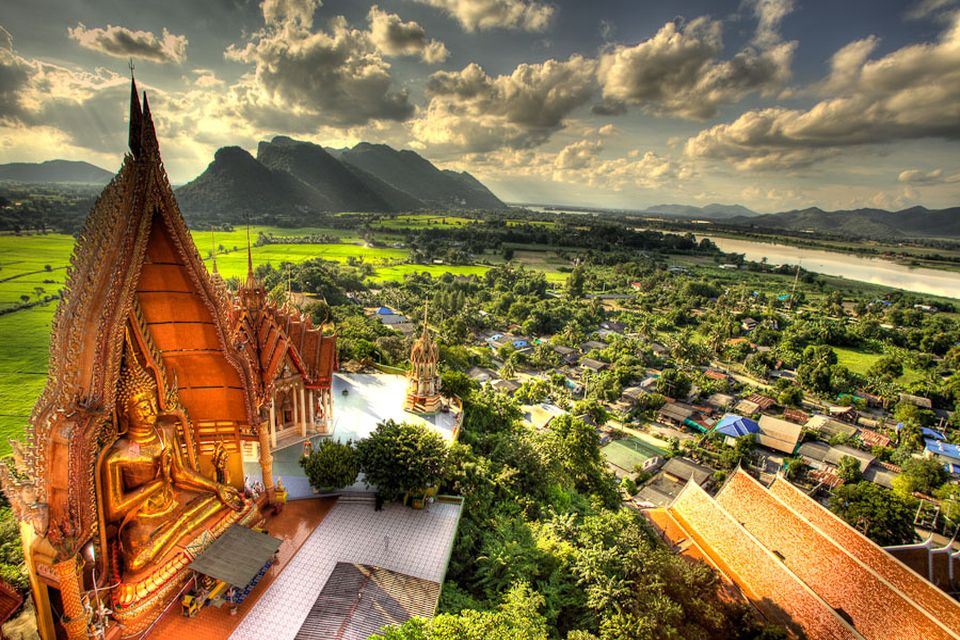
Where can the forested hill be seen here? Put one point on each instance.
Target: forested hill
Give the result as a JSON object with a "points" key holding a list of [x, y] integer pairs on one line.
{"points": [[58, 171], [289, 179], [861, 223]]}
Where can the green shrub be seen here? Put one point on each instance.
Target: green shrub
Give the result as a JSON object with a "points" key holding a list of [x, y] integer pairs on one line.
{"points": [[332, 465]]}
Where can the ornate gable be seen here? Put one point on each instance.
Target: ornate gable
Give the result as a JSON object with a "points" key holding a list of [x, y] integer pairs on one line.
{"points": [[134, 263]]}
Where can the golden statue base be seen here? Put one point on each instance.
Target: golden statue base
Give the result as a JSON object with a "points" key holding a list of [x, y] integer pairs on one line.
{"points": [[138, 600]]}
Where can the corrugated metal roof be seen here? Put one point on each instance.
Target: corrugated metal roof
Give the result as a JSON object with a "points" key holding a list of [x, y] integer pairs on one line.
{"points": [[236, 556]]}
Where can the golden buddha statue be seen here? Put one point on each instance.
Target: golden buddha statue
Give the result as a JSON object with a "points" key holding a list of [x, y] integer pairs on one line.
{"points": [[150, 494]]}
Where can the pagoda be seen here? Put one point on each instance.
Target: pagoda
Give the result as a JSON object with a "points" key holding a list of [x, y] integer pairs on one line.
{"points": [[423, 381], [159, 382]]}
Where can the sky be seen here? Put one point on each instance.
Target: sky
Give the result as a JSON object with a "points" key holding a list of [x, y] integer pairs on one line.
{"points": [[772, 104]]}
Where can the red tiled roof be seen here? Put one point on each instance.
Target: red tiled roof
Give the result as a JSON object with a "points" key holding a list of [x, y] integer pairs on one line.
{"points": [[762, 401], [795, 415], [877, 609], [893, 571], [767, 582], [872, 438]]}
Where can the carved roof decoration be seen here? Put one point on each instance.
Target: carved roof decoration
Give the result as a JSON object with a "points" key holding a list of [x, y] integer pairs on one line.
{"points": [[135, 211]]}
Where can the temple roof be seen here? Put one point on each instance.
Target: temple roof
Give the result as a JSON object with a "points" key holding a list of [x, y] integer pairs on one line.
{"points": [[792, 556]]}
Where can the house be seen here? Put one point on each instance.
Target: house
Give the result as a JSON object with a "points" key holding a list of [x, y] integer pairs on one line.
{"points": [[749, 324], [591, 345], [946, 452], [539, 416], [844, 413], [508, 387], [729, 267], [763, 402], [615, 327], [872, 438], [829, 428], [632, 394], [636, 286], [747, 407], [675, 413], [482, 374], [778, 434], [568, 354], [818, 454], [796, 415], [734, 427], [923, 403], [716, 374], [659, 350], [684, 470], [720, 400], [593, 365]]}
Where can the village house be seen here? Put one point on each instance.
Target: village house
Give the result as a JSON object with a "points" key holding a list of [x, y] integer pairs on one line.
{"points": [[778, 434]]}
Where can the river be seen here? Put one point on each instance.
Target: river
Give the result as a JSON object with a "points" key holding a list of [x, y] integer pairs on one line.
{"points": [[847, 265]]}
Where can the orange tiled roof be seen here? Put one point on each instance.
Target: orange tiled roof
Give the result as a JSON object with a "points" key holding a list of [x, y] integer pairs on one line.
{"points": [[767, 582], [892, 570], [876, 608], [804, 567]]}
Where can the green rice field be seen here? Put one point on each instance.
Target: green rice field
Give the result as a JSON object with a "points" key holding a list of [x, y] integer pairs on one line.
{"points": [[628, 452], [35, 266]]}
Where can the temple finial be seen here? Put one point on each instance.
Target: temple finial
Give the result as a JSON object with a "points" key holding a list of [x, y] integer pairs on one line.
{"points": [[136, 117], [249, 256], [148, 135], [213, 247]]}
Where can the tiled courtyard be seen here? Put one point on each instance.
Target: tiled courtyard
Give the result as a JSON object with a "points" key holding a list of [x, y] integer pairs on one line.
{"points": [[416, 543]]}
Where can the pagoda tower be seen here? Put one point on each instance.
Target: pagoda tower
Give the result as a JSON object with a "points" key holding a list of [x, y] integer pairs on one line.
{"points": [[423, 385]]}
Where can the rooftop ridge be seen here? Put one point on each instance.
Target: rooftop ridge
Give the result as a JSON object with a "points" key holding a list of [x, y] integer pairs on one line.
{"points": [[944, 602], [693, 487], [819, 532]]}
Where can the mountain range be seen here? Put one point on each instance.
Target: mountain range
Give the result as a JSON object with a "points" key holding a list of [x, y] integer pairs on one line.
{"points": [[61, 171], [862, 223], [296, 176], [708, 212]]}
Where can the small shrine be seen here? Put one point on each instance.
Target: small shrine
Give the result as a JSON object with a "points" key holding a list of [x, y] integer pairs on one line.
{"points": [[423, 381]]}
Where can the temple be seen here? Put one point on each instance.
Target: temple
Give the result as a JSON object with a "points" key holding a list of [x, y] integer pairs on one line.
{"points": [[803, 567], [160, 384], [423, 385]]}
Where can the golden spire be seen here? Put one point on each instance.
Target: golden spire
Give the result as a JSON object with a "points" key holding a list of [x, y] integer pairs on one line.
{"points": [[213, 247]]}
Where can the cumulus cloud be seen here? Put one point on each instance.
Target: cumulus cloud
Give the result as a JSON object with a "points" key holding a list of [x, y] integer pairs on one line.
{"points": [[920, 177], [121, 42], [472, 111], [910, 93], [677, 71], [473, 15], [394, 37], [334, 77], [769, 14]]}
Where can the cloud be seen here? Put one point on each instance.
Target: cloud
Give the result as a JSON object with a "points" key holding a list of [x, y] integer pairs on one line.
{"points": [[769, 14], [676, 72], [15, 73], [910, 93], [394, 37], [334, 77], [935, 176], [472, 111], [121, 42], [473, 15], [925, 8]]}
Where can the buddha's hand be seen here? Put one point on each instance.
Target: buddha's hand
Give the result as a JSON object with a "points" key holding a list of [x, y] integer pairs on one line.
{"points": [[166, 465], [230, 497]]}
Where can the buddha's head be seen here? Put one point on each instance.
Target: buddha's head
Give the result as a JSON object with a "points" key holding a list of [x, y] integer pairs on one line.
{"points": [[136, 396]]}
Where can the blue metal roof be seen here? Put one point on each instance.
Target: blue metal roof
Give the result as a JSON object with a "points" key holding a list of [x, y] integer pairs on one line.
{"points": [[944, 449], [385, 311], [933, 433], [736, 426]]}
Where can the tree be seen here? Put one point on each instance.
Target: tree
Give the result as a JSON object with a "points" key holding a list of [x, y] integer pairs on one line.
{"points": [[575, 282], [673, 383], [790, 396], [519, 617], [878, 513], [849, 470], [922, 475], [332, 465], [402, 458]]}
